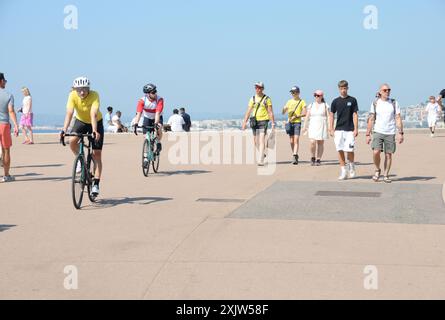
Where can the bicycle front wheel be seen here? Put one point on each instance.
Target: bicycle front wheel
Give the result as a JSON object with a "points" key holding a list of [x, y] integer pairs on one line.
{"points": [[145, 158], [78, 181], [155, 162], [91, 169]]}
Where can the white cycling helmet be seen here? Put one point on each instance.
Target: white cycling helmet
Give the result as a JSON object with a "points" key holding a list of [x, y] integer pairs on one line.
{"points": [[81, 82]]}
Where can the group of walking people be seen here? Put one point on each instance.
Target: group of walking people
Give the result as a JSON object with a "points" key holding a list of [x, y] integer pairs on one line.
{"points": [[384, 130], [340, 121]]}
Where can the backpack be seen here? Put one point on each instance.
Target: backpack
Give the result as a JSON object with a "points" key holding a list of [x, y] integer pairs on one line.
{"points": [[393, 102]]}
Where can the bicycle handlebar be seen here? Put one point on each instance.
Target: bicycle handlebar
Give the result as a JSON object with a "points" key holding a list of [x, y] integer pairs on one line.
{"points": [[145, 127], [78, 135]]}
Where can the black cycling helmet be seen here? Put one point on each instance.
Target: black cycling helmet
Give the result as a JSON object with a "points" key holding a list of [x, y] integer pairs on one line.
{"points": [[150, 88]]}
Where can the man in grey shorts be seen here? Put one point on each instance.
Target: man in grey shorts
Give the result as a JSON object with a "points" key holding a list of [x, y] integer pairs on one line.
{"points": [[384, 121]]}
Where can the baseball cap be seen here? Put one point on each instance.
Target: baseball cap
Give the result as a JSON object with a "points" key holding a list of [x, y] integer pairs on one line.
{"points": [[2, 77], [259, 84], [295, 89]]}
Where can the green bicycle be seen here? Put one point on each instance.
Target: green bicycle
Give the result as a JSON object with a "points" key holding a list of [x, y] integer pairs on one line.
{"points": [[83, 170], [150, 158]]}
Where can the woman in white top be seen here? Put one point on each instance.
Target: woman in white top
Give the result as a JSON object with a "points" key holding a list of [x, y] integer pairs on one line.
{"points": [[26, 121], [317, 121], [433, 110]]}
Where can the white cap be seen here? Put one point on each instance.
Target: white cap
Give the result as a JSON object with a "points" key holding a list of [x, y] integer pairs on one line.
{"points": [[259, 84]]}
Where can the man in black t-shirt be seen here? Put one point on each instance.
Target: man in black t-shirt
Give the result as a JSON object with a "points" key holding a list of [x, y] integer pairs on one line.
{"points": [[440, 100], [346, 130], [187, 120]]}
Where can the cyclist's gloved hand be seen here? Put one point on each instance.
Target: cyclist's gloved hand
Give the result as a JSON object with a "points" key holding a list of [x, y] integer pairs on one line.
{"points": [[62, 136], [96, 136], [158, 126]]}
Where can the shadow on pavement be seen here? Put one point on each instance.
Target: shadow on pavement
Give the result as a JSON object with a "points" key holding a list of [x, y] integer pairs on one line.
{"points": [[39, 166], [28, 179], [184, 172], [415, 179], [47, 143], [110, 203], [6, 227], [395, 179]]}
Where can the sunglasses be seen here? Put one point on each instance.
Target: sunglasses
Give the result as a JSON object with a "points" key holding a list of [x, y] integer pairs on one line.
{"points": [[386, 90], [317, 96]]}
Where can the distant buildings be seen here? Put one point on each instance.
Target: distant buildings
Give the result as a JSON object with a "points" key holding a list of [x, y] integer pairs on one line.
{"points": [[412, 119]]}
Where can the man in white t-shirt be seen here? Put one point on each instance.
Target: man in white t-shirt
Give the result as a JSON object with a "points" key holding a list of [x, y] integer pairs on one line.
{"points": [[176, 122], [385, 118]]}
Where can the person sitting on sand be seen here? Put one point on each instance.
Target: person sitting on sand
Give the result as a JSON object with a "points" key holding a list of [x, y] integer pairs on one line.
{"points": [[176, 122], [118, 123]]}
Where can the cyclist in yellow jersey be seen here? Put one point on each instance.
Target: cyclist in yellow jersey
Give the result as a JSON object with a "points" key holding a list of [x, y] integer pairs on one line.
{"points": [[260, 111], [296, 110], [86, 104]]}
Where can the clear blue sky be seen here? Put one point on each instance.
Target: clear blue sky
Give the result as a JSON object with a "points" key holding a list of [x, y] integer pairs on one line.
{"points": [[206, 55]]}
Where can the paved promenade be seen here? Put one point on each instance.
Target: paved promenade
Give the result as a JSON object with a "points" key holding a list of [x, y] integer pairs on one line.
{"points": [[223, 231]]}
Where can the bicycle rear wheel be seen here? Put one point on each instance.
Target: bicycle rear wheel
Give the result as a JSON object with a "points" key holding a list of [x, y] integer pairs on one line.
{"points": [[78, 181], [145, 160], [91, 169]]}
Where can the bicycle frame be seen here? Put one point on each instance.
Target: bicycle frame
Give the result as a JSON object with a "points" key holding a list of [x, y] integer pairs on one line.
{"points": [[82, 145], [151, 137]]}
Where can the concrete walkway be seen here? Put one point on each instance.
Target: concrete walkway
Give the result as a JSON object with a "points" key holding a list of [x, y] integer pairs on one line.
{"points": [[150, 238]]}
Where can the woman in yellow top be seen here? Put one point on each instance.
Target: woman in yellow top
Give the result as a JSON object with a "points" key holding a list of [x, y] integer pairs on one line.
{"points": [[260, 113], [86, 104], [296, 110]]}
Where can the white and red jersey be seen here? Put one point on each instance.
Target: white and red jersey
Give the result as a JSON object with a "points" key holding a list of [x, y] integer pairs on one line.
{"points": [[149, 108]]}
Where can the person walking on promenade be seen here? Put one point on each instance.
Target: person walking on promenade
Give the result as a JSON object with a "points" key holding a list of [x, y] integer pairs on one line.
{"points": [[296, 110], [346, 130], [317, 121], [260, 113], [385, 118], [7, 113], [432, 110], [27, 118]]}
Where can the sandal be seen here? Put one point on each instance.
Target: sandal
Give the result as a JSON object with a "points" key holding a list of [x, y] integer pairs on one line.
{"points": [[386, 179], [376, 176]]}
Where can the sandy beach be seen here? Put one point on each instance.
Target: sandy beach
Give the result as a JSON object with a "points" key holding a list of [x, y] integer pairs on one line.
{"points": [[201, 231]]}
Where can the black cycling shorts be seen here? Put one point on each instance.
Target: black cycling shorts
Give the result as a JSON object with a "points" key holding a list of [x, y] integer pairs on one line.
{"points": [[85, 128], [151, 123]]}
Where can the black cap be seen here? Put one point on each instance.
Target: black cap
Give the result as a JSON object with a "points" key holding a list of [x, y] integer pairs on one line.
{"points": [[2, 76]]}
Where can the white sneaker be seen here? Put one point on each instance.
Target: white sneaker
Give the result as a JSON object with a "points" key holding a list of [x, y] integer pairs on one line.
{"points": [[95, 191], [432, 135], [352, 173], [78, 168], [8, 179], [343, 174]]}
